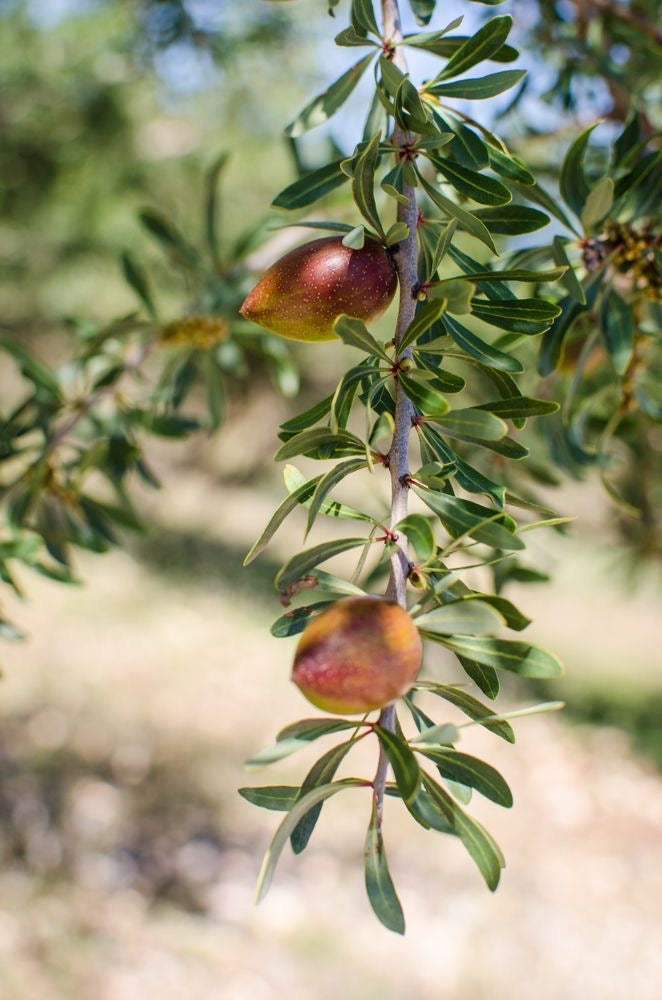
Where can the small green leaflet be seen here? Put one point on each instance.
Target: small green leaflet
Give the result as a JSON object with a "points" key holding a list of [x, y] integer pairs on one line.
{"points": [[295, 621], [475, 709], [480, 88], [466, 617], [572, 182], [472, 772], [379, 885], [354, 333], [423, 396], [519, 406], [363, 17], [475, 423], [402, 760], [469, 222], [426, 315], [461, 517], [355, 239], [482, 45], [479, 349], [339, 442], [363, 183], [301, 564], [527, 316], [327, 483], [419, 532], [310, 187], [507, 654], [322, 772], [569, 279], [281, 798], [512, 220], [323, 107], [296, 813], [617, 325], [481, 188], [598, 203]]}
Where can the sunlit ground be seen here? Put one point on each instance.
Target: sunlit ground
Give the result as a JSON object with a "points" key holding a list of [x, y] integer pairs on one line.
{"points": [[128, 859]]}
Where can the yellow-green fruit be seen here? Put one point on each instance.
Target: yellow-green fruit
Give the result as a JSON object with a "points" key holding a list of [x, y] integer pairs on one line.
{"points": [[358, 655], [303, 293]]}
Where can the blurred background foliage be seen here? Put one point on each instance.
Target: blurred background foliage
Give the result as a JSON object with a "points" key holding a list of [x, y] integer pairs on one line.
{"points": [[114, 113]]}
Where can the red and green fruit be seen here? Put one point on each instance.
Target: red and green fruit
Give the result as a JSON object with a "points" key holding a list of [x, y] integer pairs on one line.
{"points": [[303, 293], [358, 655]]}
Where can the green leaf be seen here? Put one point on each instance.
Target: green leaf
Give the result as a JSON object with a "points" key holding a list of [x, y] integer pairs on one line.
{"points": [[355, 239], [281, 798], [310, 187], [211, 206], [536, 193], [527, 316], [472, 772], [470, 706], [482, 45], [519, 406], [423, 396], [327, 483], [418, 530], [472, 423], [401, 758], [309, 417], [509, 166], [455, 292], [569, 280], [397, 233], [379, 885], [507, 654], [322, 772], [475, 838], [338, 443], [349, 38], [572, 181], [466, 617], [445, 733], [301, 564], [483, 676], [332, 508], [312, 729], [481, 188], [617, 323], [516, 274], [353, 332], [296, 813], [426, 315], [363, 183], [551, 347], [478, 349], [136, 277], [34, 371], [295, 621], [598, 204], [512, 220], [363, 17], [422, 9], [323, 107], [167, 234], [479, 88], [469, 222], [425, 39], [289, 504], [461, 517]]}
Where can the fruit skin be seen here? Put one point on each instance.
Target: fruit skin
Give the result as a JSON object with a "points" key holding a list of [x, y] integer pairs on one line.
{"points": [[358, 655], [303, 293]]}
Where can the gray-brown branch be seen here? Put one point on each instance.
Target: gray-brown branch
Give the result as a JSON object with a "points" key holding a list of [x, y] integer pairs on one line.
{"points": [[398, 456]]}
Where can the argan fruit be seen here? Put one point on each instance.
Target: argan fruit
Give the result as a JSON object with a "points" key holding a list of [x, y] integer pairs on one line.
{"points": [[303, 293], [358, 655]]}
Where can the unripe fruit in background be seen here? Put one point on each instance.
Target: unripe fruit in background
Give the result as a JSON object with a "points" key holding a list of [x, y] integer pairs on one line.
{"points": [[358, 655], [303, 293]]}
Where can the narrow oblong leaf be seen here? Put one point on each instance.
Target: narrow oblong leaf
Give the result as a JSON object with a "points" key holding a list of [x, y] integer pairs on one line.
{"points": [[426, 315], [363, 183], [301, 564], [467, 220], [521, 658], [296, 813], [280, 798], [402, 760], [472, 772], [471, 422], [423, 396], [461, 517], [338, 443], [310, 187], [470, 706], [322, 772], [327, 483], [479, 88], [519, 406], [481, 188], [323, 107], [289, 504], [295, 621], [572, 181], [418, 530], [468, 617], [617, 323], [353, 332], [527, 316], [379, 884], [482, 45], [479, 349], [512, 220]]}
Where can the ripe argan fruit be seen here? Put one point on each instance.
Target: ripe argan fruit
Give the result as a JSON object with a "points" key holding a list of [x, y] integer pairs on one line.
{"points": [[303, 293], [358, 655]]}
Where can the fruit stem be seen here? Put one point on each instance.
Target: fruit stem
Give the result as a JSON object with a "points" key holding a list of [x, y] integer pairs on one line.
{"points": [[398, 455]]}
